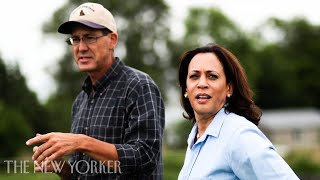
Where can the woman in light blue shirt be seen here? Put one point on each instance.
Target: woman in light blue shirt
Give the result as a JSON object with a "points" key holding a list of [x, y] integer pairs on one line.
{"points": [[225, 142]]}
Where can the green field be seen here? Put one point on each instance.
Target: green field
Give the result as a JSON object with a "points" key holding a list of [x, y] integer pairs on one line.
{"points": [[173, 160], [30, 176]]}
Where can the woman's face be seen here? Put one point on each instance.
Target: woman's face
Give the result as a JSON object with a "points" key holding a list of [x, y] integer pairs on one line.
{"points": [[206, 85]]}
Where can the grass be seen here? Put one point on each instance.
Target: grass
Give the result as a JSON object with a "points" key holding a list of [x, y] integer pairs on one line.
{"points": [[29, 176], [173, 161]]}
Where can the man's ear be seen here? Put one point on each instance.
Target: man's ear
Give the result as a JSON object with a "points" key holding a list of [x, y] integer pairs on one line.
{"points": [[114, 40]]}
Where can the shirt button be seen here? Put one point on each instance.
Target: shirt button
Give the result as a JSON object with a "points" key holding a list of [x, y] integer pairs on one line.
{"points": [[86, 128], [92, 101]]}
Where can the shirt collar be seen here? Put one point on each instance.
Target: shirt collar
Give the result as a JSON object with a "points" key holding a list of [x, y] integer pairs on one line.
{"points": [[103, 82], [215, 126], [212, 130]]}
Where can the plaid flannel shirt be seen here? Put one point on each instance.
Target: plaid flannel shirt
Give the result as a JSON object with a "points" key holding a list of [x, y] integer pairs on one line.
{"points": [[124, 108]]}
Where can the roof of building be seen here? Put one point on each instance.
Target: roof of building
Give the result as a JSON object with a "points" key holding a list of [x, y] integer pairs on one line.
{"points": [[290, 119]]}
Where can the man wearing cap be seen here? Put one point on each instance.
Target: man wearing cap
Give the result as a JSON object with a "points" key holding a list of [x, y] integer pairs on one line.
{"points": [[117, 118]]}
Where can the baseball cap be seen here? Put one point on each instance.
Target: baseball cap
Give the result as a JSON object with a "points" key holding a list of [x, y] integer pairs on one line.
{"points": [[93, 15]]}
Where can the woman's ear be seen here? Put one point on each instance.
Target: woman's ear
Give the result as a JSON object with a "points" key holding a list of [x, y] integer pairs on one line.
{"points": [[229, 89]]}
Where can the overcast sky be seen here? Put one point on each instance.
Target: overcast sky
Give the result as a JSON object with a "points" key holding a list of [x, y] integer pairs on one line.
{"points": [[21, 40]]}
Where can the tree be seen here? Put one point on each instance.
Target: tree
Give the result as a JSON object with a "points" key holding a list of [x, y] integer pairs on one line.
{"points": [[16, 93], [289, 65], [21, 113], [177, 133], [14, 131]]}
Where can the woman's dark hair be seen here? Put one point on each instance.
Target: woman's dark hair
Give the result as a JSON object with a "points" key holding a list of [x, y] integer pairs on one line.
{"points": [[241, 102]]}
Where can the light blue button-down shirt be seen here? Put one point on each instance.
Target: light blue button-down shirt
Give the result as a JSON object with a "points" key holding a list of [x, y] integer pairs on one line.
{"points": [[233, 148]]}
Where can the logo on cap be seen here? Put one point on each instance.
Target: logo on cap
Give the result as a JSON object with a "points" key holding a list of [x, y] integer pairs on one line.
{"points": [[81, 13]]}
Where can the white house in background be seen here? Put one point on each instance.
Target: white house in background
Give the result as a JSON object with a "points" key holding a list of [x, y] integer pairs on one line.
{"points": [[292, 128]]}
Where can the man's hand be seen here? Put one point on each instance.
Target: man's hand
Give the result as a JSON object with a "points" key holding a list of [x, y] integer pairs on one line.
{"points": [[54, 147], [55, 166]]}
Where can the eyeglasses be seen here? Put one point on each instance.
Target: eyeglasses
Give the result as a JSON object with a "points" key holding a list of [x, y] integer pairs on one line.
{"points": [[88, 39]]}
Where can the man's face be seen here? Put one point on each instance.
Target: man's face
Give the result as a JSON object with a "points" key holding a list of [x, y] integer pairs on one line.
{"points": [[93, 51]]}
